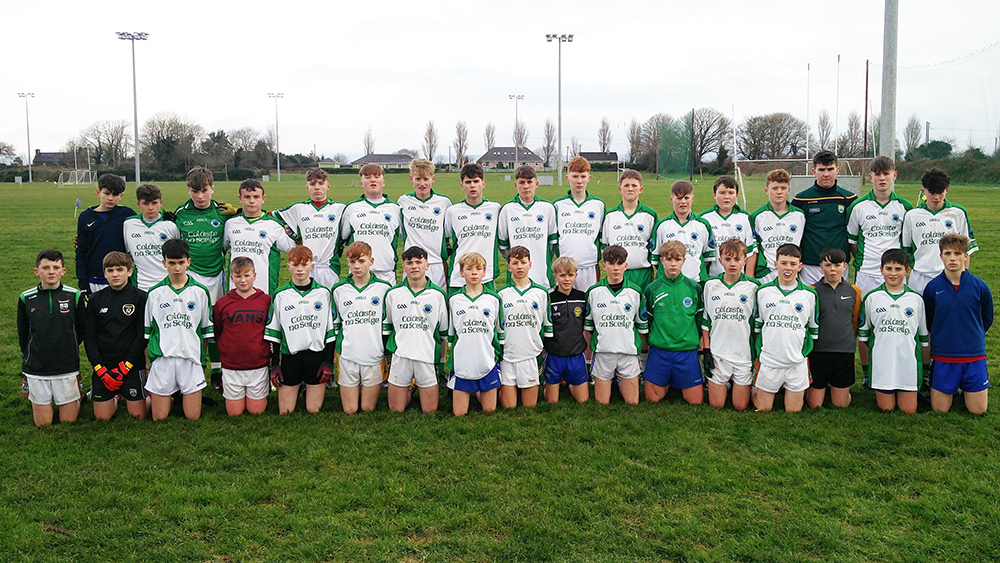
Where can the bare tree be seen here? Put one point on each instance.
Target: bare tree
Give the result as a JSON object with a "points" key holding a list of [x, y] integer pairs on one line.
{"points": [[461, 143], [548, 149], [708, 129], [911, 135], [634, 140], [604, 135], [824, 130], [7, 151], [430, 144], [409, 152], [369, 141], [775, 135], [490, 136], [109, 140], [169, 125], [574, 146], [520, 136], [650, 144], [340, 158], [243, 138], [874, 134], [751, 137], [850, 142]]}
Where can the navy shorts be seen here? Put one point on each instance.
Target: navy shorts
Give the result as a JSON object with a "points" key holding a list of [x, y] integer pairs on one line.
{"points": [[487, 382], [971, 377], [673, 369], [571, 369]]}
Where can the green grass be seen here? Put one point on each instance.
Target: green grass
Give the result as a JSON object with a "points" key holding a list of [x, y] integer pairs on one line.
{"points": [[565, 482]]}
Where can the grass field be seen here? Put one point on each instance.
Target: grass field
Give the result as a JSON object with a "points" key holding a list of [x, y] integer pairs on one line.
{"points": [[565, 482]]}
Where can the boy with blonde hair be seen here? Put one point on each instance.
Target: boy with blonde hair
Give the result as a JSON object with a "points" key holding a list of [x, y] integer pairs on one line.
{"points": [[476, 335], [530, 222], [316, 224], [728, 221], [776, 223], [686, 227], [423, 212], [145, 234], [630, 225], [525, 323], [579, 218], [375, 220], [565, 361]]}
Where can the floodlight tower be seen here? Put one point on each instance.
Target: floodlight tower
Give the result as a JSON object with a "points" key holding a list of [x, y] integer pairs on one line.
{"points": [[560, 39], [516, 97], [27, 125], [133, 37], [277, 147]]}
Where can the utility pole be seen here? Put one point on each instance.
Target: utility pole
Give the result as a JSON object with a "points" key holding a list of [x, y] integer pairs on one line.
{"points": [[887, 125]]}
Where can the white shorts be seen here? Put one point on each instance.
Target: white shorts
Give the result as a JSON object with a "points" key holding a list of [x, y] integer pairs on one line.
{"points": [[352, 374], [522, 374], [724, 372], [917, 282], [585, 277], [95, 287], [867, 283], [253, 384], [402, 371], [324, 275], [606, 364], [389, 276], [216, 284], [436, 273], [59, 389], [169, 375], [793, 379], [810, 274]]}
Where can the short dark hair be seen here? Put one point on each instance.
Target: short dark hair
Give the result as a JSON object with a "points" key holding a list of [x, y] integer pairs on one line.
{"points": [[825, 158], [629, 174], [473, 170], [250, 185], [316, 174], [681, 188], [954, 241], [148, 193], [414, 253], [199, 178], [614, 254], [520, 253], [727, 181], [116, 258], [896, 256], [241, 264], [881, 165], [176, 248], [833, 256], [935, 181], [525, 171], [789, 249], [112, 183], [50, 254]]}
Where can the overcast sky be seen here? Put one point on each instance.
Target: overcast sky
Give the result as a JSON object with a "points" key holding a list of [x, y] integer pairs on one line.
{"points": [[345, 66]]}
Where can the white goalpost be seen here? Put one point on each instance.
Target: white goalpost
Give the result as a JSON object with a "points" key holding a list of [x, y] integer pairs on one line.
{"points": [[75, 177]]}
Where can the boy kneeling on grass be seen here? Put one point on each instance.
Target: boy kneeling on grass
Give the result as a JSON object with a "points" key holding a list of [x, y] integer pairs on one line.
{"points": [[476, 337], [565, 362], [525, 324]]}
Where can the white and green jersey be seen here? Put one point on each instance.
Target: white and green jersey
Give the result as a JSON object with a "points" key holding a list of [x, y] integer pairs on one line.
{"points": [[772, 230], [177, 320], [358, 313], [875, 228], [533, 227], [259, 239], [616, 319], [728, 318], [696, 236], [472, 229], [144, 241], [319, 226], [786, 324], [416, 322], [579, 227], [632, 232], [895, 327], [423, 224], [736, 225], [476, 334], [923, 228], [300, 319], [525, 321], [376, 223]]}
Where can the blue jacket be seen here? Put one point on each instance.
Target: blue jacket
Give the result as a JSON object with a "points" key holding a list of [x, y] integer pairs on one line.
{"points": [[958, 320]]}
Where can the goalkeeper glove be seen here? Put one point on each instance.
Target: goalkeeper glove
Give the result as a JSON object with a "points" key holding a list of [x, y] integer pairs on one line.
{"points": [[293, 235], [170, 216], [124, 368], [325, 372], [277, 379], [227, 209], [707, 361], [111, 379]]}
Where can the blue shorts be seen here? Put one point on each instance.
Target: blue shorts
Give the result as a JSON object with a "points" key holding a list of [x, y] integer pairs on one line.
{"points": [[971, 377], [571, 369], [673, 369], [485, 383]]}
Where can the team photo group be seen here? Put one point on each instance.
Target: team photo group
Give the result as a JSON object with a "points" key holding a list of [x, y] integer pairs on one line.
{"points": [[731, 305]]}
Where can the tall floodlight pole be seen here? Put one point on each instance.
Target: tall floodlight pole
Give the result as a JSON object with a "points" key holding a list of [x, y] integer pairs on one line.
{"points": [[27, 126], [516, 97], [887, 125], [133, 37], [277, 147], [560, 39]]}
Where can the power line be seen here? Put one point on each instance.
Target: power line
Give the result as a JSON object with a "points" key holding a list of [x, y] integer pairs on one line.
{"points": [[949, 61]]}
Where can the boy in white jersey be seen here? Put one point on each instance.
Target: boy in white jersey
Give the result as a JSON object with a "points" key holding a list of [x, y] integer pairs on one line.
{"points": [[925, 224], [728, 221], [144, 237], [476, 336], [775, 224], [893, 337], [416, 323], [726, 327], [423, 219], [358, 311], [875, 224], [529, 222], [178, 319], [525, 325], [630, 225], [616, 319], [786, 326], [301, 324], [690, 230], [316, 224], [258, 236], [374, 219], [579, 217], [471, 226]]}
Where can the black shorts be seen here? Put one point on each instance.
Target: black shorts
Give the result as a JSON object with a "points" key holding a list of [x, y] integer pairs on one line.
{"points": [[834, 369], [132, 389], [302, 367]]}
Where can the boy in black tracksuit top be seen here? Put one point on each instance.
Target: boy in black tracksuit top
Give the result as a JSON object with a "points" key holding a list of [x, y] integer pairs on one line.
{"points": [[50, 318], [565, 361], [115, 342], [100, 230]]}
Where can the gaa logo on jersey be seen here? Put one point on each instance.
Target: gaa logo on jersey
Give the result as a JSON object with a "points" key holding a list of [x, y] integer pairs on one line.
{"points": [[716, 297], [948, 223], [840, 209], [539, 218], [190, 305], [880, 310], [793, 228], [489, 216], [908, 311], [428, 308], [318, 305], [628, 306], [436, 210], [688, 302], [215, 223], [163, 236], [798, 307], [743, 298], [387, 217], [375, 300], [331, 218], [262, 234], [590, 215]]}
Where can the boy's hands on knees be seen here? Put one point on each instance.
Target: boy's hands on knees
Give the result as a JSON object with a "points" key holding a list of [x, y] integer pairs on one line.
{"points": [[707, 361], [111, 379], [277, 378], [325, 372]]}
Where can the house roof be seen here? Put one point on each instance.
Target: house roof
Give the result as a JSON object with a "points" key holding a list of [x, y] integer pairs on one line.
{"points": [[600, 156], [383, 159], [504, 154], [52, 158]]}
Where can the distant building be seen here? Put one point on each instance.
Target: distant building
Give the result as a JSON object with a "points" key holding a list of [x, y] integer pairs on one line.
{"points": [[503, 157], [384, 160], [600, 157], [327, 163], [52, 158]]}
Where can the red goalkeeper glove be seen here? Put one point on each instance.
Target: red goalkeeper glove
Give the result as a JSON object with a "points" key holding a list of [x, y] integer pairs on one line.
{"points": [[124, 368], [277, 379], [111, 379], [325, 372]]}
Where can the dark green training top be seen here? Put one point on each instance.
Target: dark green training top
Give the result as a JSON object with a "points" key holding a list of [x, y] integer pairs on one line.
{"points": [[826, 220]]}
